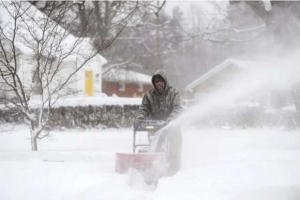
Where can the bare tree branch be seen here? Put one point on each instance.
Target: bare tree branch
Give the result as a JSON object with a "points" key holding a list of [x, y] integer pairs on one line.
{"points": [[118, 65]]}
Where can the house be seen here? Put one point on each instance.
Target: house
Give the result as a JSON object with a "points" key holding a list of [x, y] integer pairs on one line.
{"points": [[88, 80], [125, 83], [247, 93], [212, 80], [65, 52], [261, 83]]}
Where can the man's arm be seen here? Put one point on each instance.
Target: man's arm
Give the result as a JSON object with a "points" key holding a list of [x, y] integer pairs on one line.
{"points": [[144, 109]]}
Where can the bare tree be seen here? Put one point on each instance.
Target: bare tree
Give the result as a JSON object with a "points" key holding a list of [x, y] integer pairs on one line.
{"points": [[143, 45], [148, 8], [105, 14], [33, 51]]}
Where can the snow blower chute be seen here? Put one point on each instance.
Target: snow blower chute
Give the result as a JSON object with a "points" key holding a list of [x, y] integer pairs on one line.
{"points": [[150, 157]]}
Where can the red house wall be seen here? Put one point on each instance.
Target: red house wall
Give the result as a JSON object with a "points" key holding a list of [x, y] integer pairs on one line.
{"points": [[131, 89]]}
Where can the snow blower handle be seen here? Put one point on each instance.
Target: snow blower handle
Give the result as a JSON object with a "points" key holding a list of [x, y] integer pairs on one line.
{"points": [[149, 125]]}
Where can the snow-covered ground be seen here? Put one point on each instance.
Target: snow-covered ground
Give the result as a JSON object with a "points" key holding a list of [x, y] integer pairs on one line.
{"points": [[217, 164]]}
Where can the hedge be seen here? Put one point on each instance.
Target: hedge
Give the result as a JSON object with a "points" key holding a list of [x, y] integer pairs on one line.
{"points": [[82, 116]]}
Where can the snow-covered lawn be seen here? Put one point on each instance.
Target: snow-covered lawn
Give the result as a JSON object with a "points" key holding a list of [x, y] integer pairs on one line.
{"points": [[217, 164]]}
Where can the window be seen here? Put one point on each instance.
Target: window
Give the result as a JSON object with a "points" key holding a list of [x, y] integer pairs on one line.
{"points": [[140, 87], [122, 87]]}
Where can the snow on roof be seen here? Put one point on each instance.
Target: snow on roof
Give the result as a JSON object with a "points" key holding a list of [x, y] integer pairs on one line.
{"points": [[125, 75], [210, 73], [34, 18]]}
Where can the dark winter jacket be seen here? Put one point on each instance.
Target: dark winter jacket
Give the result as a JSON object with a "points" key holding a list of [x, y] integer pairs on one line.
{"points": [[166, 106]]}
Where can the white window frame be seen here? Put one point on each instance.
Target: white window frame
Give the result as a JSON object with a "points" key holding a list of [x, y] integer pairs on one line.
{"points": [[140, 87], [122, 87]]}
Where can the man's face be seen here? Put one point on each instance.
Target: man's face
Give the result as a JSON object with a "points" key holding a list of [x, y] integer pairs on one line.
{"points": [[160, 85]]}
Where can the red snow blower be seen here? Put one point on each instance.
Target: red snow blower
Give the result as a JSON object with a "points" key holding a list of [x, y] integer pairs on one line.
{"points": [[149, 158]]}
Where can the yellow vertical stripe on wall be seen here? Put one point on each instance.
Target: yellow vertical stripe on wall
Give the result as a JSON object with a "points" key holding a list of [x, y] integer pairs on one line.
{"points": [[89, 83]]}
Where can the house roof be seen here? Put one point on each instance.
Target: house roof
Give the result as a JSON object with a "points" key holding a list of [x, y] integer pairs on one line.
{"points": [[277, 71], [211, 73], [127, 76]]}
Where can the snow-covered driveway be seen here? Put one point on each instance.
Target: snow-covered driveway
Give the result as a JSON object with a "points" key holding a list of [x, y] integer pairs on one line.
{"points": [[217, 164]]}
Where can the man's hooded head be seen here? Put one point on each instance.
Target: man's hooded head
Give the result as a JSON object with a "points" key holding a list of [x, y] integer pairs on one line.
{"points": [[159, 81]]}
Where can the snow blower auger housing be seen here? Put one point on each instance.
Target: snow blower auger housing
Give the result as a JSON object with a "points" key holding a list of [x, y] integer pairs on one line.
{"points": [[143, 160]]}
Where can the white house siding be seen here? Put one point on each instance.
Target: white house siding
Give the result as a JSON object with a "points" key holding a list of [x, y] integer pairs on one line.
{"points": [[76, 84], [78, 80], [26, 69], [25, 73]]}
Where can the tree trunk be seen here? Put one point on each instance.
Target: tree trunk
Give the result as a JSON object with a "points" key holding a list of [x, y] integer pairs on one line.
{"points": [[33, 135], [34, 146]]}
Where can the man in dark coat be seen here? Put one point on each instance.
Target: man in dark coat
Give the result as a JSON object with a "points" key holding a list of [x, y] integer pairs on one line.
{"points": [[163, 102]]}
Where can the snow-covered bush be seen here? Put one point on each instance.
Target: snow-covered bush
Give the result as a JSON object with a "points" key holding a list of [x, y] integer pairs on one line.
{"points": [[83, 116]]}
